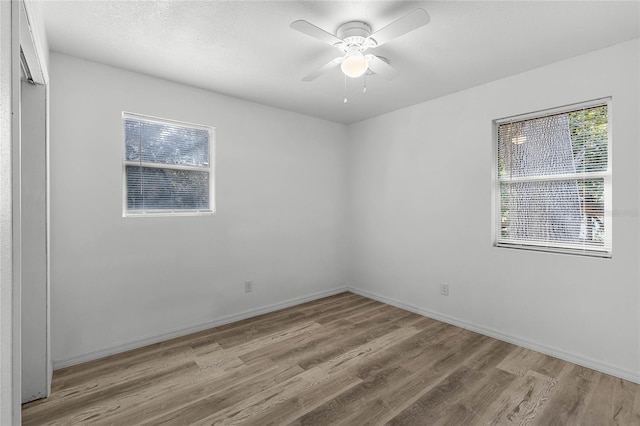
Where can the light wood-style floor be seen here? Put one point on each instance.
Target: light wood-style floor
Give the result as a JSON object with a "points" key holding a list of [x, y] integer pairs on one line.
{"points": [[344, 359]]}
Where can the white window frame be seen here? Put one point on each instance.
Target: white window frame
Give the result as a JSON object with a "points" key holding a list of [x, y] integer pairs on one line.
{"points": [[605, 175], [210, 170]]}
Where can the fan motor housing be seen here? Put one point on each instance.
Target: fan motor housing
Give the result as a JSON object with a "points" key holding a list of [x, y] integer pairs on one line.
{"points": [[354, 32]]}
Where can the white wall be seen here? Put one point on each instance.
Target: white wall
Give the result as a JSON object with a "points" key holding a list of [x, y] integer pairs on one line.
{"points": [[281, 196], [421, 214], [408, 200]]}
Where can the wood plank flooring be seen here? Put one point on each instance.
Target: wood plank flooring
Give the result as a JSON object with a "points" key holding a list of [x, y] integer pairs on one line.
{"points": [[342, 360]]}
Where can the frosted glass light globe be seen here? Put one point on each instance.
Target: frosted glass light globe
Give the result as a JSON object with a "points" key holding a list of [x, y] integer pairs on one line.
{"points": [[354, 65]]}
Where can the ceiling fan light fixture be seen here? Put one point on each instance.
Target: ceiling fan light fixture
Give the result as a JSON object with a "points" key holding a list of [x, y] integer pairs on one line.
{"points": [[354, 64], [353, 38]]}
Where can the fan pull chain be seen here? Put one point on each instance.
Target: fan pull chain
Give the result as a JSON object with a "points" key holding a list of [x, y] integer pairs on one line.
{"points": [[345, 89], [364, 89]]}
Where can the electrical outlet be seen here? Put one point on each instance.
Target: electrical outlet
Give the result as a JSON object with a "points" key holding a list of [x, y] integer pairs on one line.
{"points": [[248, 286], [444, 289]]}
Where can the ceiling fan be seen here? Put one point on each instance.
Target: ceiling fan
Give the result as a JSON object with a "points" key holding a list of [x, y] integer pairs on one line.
{"points": [[354, 38]]}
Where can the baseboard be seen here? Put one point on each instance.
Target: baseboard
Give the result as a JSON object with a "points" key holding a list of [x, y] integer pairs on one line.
{"points": [[547, 350], [148, 340]]}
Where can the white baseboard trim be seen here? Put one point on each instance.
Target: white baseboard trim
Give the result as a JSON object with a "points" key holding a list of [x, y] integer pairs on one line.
{"points": [[148, 340], [547, 350]]}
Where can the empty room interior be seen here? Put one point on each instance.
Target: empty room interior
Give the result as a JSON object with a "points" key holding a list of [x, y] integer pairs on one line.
{"points": [[320, 212]]}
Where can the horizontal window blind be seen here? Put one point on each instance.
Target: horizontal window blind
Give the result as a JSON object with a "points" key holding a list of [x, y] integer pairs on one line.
{"points": [[151, 188], [554, 181], [166, 167], [164, 143]]}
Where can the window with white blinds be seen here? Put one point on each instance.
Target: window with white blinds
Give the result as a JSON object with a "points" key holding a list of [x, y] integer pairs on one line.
{"points": [[167, 167], [553, 188]]}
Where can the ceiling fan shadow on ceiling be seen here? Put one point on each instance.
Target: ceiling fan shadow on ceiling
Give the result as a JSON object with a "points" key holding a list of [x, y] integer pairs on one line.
{"points": [[354, 38]]}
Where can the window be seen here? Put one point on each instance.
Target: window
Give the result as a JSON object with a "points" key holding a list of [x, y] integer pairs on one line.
{"points": [[553, 188], [167, 167]]}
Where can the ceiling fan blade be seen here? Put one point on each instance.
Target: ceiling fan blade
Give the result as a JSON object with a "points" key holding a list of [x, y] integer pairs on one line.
{"points": [[401, 26], [381, 68], [312, 31], [326, 67]]}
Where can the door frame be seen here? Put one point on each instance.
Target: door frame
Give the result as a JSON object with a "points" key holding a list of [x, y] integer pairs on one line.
{"points": [[10, 262], [33, 62]]}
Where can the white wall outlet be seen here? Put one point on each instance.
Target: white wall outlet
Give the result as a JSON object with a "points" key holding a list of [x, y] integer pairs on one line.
{"points": [[444, 289], [248, 286]]}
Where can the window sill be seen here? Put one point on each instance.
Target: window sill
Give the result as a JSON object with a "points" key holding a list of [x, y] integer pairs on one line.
{"points": [[559, 250], [169, 213]]}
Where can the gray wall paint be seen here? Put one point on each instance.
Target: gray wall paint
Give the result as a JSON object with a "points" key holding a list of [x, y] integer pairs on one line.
{"points": [[280, 212], [421, 214]]}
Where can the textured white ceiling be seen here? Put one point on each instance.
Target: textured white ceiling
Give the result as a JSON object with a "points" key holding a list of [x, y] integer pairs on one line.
{"points": [[247, 50]]}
